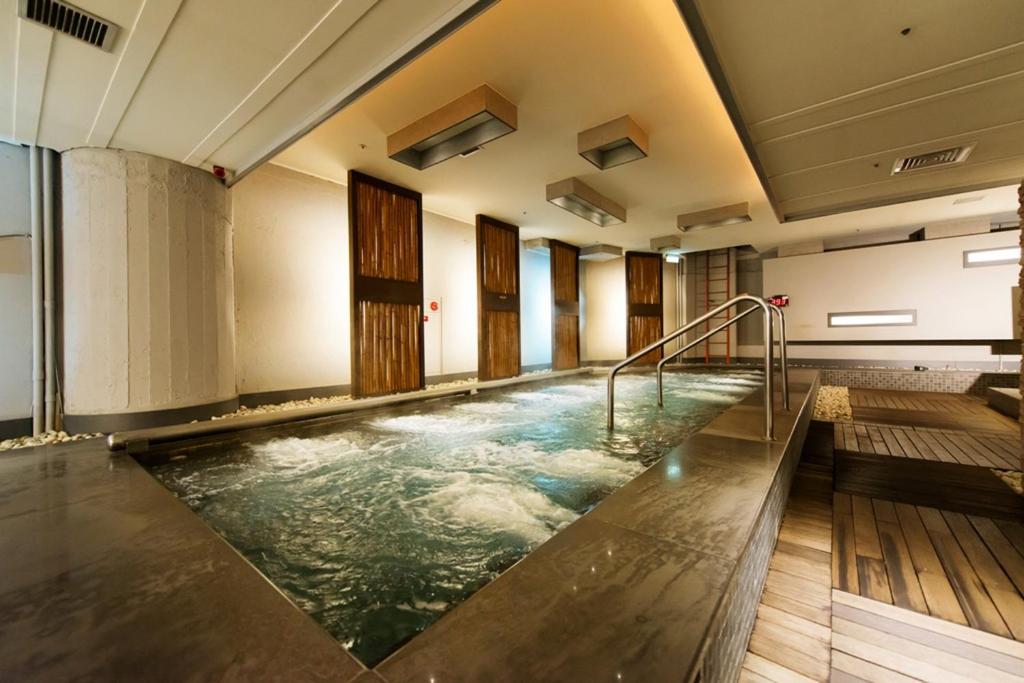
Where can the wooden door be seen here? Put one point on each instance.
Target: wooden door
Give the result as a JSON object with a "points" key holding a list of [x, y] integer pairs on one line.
{"points": [[565, 305], [644, 311], [386, 267], [497, 267]]}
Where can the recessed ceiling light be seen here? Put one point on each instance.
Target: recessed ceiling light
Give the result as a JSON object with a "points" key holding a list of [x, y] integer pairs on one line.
{"points": [[578, 198], [613, 143], [600, 252], [458, 128], [714, 218]]}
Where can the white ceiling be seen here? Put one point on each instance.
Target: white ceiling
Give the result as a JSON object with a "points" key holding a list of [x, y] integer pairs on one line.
{"points": [[570, 65], [832, 93], [201, 81], [227, 82]]}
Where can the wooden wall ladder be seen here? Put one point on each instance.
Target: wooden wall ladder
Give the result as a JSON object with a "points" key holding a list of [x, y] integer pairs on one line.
{"points": [[717, 289]]}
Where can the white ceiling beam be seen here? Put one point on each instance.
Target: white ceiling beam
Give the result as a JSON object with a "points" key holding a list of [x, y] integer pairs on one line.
{"points": [[147, 33], [33, 63], [334, 24]]}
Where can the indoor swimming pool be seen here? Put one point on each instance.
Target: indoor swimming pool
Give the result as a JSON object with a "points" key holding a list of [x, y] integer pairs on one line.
{"points": [[376, 524]]}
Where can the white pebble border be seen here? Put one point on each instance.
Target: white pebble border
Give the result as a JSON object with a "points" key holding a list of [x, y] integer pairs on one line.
{"points": [[1015, 480], [64, 437], [43, 440], [833, 404]]}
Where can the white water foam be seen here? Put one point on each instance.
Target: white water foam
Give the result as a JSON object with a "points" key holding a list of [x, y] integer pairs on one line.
{"points": [[436, 424], [488, 503]]}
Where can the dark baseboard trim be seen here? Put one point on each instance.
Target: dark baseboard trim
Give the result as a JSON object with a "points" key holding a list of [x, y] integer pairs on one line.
{"points": [[122, 422], [10, 429], [986, 366]]}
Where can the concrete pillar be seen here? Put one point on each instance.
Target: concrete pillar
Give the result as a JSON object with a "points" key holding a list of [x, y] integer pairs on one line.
{"points": [[1020, 214], [148, 299]]}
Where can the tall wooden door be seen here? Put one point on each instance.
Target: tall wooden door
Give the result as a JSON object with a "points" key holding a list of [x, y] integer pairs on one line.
{"points": [[644, 310], [497, 267], [565, 305], [386, 266]]}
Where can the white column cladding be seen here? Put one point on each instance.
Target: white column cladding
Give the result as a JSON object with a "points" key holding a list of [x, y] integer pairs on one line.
{"points": [[148, 304]]}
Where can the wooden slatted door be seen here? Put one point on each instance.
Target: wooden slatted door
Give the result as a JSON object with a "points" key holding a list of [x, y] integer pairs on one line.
{"points": [[565, 305], [386, 266], [644, 311], [497, 267]]}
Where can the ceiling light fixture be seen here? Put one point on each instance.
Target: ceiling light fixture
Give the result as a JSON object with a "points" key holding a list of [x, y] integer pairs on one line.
{"points": [[458, 128], [578, 198], [613, 143], [713, 218], [600, 252], [539, 245]]}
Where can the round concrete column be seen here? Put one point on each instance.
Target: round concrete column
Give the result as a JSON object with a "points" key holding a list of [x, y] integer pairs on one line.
{"points": [[148, 300]]}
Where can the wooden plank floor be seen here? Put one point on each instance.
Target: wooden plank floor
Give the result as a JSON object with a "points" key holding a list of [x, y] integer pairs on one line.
{"points": [[928, 409], [874, 641], [792, 633], [960, 568], [999, 450]]}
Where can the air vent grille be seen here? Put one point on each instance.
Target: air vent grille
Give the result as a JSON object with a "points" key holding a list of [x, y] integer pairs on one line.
{"points": [[943, 157], [69, 20]]}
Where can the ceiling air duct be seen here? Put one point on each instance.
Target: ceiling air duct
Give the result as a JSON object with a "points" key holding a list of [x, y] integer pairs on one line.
{"points": [[459, 128], [576, 197], [70, 20], [613, 143], [713, 218]]}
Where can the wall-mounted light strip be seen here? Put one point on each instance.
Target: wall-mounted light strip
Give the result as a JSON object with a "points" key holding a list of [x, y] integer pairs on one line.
{"points": [[999, 256], [873, 319]]}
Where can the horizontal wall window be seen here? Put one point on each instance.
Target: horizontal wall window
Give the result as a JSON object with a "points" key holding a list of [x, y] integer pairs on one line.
{"points": [[872, 318], [991, 257]]}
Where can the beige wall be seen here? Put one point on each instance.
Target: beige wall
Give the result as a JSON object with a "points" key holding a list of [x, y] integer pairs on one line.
{"points": [[292, 287], [603, 319], [15, 286], [148, 284], [952, 302]]}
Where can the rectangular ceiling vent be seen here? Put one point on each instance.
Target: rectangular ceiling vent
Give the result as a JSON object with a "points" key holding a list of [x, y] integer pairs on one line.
{"points": [[939, 159], [69, 20]]}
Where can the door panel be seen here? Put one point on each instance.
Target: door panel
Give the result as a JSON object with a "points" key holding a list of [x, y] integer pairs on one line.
{"points": [[497, 261], [386, 247], [644, 310], [565, 305]]}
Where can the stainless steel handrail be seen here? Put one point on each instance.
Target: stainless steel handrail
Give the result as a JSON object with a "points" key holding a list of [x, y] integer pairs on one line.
{"points": [[783, 359], [698, 340], [769, 406]]}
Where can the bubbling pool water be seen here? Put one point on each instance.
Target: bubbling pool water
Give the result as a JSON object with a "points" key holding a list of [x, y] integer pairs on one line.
{"points": [[378, 525]]}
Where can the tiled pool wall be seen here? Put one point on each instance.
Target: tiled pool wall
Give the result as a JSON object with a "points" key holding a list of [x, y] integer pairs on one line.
{"points": [[973, 382], [727, 643]]}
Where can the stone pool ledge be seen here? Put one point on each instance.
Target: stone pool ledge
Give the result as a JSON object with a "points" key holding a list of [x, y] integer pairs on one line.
{"points": [[105, 575]]}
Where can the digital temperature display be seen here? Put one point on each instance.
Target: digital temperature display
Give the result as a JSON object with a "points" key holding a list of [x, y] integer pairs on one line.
{"points": [[780, 300]]}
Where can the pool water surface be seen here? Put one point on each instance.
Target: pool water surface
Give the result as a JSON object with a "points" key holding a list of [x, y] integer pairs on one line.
{"points": [[377, 524]]}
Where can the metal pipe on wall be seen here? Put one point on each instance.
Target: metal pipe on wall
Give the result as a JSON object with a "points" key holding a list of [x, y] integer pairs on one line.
{"points": [[49, 334], [36, 214]]}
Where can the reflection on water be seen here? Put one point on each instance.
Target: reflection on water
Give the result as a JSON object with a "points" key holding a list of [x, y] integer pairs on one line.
{"points": [[377, 526]]}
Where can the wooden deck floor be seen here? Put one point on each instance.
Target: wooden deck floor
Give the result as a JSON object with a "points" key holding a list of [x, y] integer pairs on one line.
{"points": [[998, 450], [964, 569], [913, 593], [928, 409], [874, 641]]}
